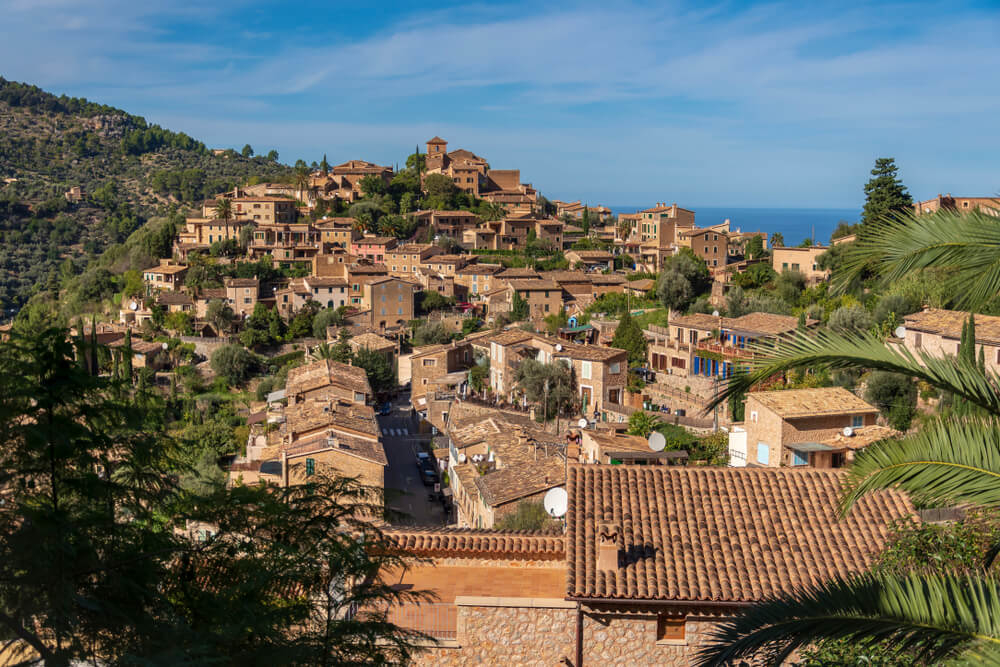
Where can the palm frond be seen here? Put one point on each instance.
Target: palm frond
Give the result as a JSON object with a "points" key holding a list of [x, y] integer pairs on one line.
{"points": [[949, 461], [950, 618], [967, 245], [828, 350]]}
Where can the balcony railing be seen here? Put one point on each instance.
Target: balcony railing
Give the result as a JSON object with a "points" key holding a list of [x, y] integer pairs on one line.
{"points": [[439, 620], [725, 350]]}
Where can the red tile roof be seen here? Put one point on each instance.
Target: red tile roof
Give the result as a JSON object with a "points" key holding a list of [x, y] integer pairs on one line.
{"points": [[718, 534], [485, 543]]}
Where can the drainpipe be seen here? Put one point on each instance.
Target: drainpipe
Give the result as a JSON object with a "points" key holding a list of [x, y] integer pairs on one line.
{"points": [[579, 635]]}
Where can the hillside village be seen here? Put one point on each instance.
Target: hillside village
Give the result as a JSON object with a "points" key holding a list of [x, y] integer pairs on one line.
{"points": [[541, 391]]}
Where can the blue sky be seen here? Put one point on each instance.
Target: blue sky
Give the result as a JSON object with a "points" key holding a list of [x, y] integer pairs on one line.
{"points": [[729, 104]]}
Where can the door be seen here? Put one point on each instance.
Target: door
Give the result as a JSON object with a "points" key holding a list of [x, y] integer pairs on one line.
{"points": [[585, 393]]}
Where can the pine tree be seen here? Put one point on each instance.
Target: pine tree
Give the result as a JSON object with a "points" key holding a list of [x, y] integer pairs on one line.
{"points": [[885, 194], [324, 165], [628, 337], [518, 308]]}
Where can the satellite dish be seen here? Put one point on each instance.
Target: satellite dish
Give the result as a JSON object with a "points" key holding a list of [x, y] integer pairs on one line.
{"points": [[900, 332], [848, 431], [133, 306], [582, 423], [656, 441], [461, 458], [558, 347], [164, 346], [715, 313], [555, 502]]}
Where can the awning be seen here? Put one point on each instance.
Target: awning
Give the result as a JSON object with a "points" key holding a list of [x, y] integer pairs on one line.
{"points": [[810, 447]]}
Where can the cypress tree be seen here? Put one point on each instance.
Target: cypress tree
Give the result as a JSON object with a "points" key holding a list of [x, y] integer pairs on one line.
{"points": [[93, 345], [127, 356], [628, 336]]}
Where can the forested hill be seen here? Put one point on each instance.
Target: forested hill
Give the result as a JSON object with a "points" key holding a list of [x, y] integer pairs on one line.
{"points": [[130, 172]]}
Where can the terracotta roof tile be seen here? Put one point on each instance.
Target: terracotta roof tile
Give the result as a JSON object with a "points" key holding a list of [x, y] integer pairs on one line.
{"points": [[486, 543], [792, 403], [718, 534], [950, 322], [326, 372]]}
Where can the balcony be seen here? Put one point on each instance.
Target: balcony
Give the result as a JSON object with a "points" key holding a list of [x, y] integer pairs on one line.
{"points": [[724, 350]]}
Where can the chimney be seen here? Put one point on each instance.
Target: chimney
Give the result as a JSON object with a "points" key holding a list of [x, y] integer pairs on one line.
{"points": [[608, 537]]}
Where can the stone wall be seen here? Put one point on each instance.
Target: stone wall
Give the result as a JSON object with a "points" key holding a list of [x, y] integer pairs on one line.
{"points": [[526, 632], [508, 631]]}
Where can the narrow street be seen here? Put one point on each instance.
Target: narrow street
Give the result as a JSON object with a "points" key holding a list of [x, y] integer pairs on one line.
{"points": [[405, 493]]}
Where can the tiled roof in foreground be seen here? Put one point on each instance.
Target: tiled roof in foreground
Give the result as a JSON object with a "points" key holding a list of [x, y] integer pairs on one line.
{"points": [[718, 534], [485, 543]]}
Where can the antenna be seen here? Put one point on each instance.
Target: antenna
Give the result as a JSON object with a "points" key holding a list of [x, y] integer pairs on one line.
{"points": [[133, 306], [558, 347], [461, 458], [900, 332], [656, 441], [848, 431], [582, 423], [555, 502]]}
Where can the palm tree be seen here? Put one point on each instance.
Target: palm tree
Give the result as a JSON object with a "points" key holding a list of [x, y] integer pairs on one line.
{"points": [[948, 617], [224, 212], [322, 351], [492, 211]]}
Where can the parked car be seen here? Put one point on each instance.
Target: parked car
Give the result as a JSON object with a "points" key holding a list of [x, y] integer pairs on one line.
{"points": [[427, 468]]}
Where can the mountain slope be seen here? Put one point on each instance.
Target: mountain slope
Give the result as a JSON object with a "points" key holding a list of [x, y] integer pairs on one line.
{"points": [[130, 171]]}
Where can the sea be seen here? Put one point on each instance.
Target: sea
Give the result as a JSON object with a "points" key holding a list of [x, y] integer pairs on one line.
{"points": [[794, 224]]}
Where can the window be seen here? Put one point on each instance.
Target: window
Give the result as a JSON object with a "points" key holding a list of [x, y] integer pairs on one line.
{"points": [[310, 467], [763, 453], [430, 362], [800, 458], [918, 340], [359, 397], [753, 416], [616, 368], [857, 421], [585, 370], [784, 266], [671, 629]]}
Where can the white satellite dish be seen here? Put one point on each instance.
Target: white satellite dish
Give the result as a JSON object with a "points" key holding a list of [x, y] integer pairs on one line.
{"points": [[558, 347], [461, 458], [556, 502], [848, 431], [164, 346], [133, 306], [715, 313], [656, 441], [900, 332], [582, 423]]}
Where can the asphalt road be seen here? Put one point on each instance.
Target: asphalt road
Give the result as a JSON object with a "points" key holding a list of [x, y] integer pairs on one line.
{"points": [[405, 493]]}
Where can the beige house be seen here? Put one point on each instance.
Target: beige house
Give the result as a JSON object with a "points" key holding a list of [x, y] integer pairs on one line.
{"points": [[168, 276], [544, 297], [452, 224], [938, 332], [242, 294], [328, 380], [989, 205], [327, 292], [340, 232], [710, 244], [801, 427], [802, 260], [477, 279], [710, 345], [405, 260], [391, 301], [601, 372], [436, 368]]}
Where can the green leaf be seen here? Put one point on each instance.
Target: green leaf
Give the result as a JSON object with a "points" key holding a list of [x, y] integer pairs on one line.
{"points": [[951, 618], [951, 461]]}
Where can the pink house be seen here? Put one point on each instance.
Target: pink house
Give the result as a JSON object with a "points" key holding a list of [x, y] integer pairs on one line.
{"points": [[373, 247]]}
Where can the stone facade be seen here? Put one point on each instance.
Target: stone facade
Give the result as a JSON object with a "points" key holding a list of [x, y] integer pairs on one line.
{"points": [[766, 428], [542, 633]]}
